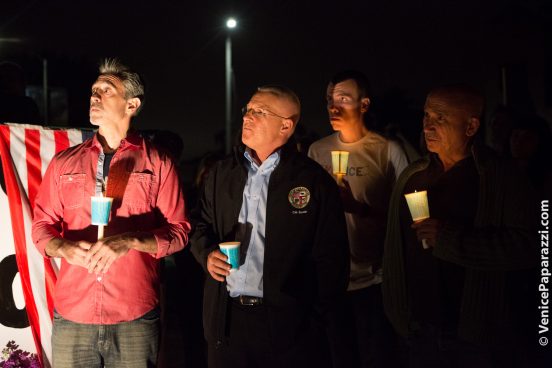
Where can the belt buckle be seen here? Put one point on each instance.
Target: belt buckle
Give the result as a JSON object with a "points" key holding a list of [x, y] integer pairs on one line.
{"points": [[249, 300]]}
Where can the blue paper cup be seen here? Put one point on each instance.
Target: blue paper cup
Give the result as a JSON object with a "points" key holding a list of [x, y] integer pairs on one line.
{"points": [[101, 207], [232, 251]]}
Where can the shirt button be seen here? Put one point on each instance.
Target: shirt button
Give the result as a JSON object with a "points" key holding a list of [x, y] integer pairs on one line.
{"points": [[99, 279]]}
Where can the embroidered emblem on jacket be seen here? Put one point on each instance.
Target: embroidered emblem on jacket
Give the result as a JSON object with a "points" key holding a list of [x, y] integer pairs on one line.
{"points": [[299, 197]]}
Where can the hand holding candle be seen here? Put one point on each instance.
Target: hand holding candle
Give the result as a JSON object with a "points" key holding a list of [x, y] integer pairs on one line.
{"points": [[339, 164], [419, 208]]}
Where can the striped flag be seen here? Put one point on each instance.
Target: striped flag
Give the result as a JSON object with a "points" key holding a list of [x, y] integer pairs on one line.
{"points": [[26, 151]]}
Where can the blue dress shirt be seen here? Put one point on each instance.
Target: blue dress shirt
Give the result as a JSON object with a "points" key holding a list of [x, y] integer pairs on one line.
{"points": [[248, 279]]}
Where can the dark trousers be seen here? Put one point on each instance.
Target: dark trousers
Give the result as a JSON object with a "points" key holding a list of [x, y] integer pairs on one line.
{"points": [[430, 346], [376, 343], [251, 345]]}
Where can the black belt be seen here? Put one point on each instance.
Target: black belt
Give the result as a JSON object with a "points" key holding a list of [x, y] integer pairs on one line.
{"points": [[248, 300]]}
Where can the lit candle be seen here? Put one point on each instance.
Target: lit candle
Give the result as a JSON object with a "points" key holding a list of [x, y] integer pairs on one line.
{"points": [[339, 164], [100, 208], [419, 208]]}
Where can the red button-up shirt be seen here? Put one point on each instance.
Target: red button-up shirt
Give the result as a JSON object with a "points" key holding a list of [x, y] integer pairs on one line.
{"points": [[151, 200]]}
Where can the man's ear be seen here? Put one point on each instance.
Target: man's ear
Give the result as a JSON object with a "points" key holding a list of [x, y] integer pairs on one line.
{"points": [[132, 105], [472, 127], [364, 104], [287, 127]]}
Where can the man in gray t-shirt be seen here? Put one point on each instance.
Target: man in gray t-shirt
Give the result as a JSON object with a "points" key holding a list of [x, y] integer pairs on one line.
{"points": [[373, 167]]}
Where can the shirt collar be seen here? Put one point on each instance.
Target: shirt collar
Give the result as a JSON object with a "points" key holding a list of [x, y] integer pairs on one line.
{"points": [[268, 165], [436, 161], [133, 139]]}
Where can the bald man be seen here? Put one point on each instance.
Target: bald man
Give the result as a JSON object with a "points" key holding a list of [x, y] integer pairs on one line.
{"points": [[455, 300], [279, 308]]}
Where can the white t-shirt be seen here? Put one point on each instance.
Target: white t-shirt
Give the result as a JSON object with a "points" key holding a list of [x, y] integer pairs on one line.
{"points": [[374, 165]]}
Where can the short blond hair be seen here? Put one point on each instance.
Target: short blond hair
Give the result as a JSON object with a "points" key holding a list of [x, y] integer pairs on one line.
{"points": [[285, 93]]}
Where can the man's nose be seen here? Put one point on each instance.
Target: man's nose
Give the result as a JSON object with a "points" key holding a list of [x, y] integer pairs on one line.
{"points": [[247, 117], [332, 108], [427, 123], [95, 97]]}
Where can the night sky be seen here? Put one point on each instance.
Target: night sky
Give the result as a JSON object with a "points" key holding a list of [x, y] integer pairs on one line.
{"points": [[405, 48]]}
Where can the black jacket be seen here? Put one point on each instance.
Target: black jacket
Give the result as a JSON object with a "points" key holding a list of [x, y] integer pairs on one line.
{"points": [[494, 252], [306, 262]]}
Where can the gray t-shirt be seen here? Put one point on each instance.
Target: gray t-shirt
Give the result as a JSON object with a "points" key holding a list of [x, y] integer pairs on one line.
{"points": [[374, 165]]}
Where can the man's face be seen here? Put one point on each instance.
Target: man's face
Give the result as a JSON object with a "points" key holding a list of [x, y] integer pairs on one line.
{"points": [[447, 128], [262, 129], [108, 104], [345, 107]]}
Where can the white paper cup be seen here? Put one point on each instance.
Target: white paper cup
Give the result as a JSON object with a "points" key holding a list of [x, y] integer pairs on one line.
{"points": [[232, 251]]}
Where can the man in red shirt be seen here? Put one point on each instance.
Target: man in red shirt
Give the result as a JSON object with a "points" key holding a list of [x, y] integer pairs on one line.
{"points": [[106, 296]]}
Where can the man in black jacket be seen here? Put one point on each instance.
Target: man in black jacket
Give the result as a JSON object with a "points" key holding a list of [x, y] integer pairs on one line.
{"points": [[286, 212], [464, 300]]}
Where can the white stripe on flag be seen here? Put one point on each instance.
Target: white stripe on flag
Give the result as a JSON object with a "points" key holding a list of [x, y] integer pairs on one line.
{"points": [[47, 149], [18, 153], [75, 137]]}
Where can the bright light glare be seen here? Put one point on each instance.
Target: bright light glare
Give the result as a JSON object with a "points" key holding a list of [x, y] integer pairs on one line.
{"points": [[231, 23]]}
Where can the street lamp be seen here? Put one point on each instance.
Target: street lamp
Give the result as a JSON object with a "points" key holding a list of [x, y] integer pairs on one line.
{"points": [[231, 23]]}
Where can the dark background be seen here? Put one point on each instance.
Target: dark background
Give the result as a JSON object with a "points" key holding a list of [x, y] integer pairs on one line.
{"points": [[405, 48]]}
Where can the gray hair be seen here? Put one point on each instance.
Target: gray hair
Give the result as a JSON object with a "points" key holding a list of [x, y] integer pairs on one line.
{"points": [[134, 87], [285, 93]]}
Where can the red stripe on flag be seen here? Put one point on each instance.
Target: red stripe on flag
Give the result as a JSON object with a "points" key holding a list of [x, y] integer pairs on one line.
{"points": [[34, 163], [62, 140], [18, 226]]}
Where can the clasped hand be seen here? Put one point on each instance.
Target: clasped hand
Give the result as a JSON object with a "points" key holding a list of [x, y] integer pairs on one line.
{"points": [[103, 253], [96, 257]]}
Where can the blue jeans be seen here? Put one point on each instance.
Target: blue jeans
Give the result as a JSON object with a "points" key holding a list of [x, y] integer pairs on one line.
{"points": [[131, 344]]}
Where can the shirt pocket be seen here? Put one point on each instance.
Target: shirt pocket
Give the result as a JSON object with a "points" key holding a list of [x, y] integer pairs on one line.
{"points": [[72, 190], [138, 190]]}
